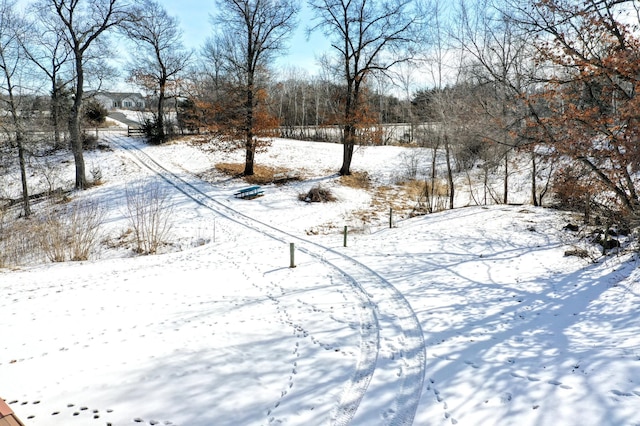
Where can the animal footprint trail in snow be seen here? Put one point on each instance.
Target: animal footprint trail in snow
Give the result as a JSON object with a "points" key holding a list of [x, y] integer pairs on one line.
{"points": [[89, 415], [472, 364], [440, 399]]}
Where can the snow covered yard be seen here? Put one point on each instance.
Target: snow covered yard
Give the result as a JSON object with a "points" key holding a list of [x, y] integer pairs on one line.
{"points": [[223, 332], [516, 333]]}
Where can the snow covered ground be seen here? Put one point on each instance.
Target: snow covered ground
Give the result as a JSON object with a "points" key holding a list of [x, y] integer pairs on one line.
{"points": [[470, 317]]}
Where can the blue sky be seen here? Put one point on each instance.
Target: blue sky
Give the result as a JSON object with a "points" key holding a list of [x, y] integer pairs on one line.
{"points": [[194, 17]]}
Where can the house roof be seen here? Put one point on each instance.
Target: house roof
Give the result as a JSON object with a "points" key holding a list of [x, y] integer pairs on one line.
{"points": [[117, 96], [7, 418]]}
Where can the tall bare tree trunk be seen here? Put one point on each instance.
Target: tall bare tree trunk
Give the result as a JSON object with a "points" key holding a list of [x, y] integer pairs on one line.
{"points": [[452, 189], [75, 128], [505, 199], [434, 174], [55, 115], [23, 174], [160, 112], [347, 149], [250, 146], [20, 140], [534, 183]]}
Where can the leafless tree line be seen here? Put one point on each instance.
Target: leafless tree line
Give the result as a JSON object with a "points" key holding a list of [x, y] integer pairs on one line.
{"points": [[480, 83]]}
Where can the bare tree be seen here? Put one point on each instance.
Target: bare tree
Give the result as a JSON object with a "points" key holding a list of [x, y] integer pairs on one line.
{"points": [[592, 50], [503, 59], [446, 108], [252, 33], [12, 60], [213, 64], [161, 56], [83, 22], [367, 36], [45, 46]]}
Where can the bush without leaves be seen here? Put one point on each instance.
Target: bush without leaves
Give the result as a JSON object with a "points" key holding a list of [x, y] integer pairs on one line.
{"points": [[84, 221], [96, 175], [52, 235], [17, 243], [149, 214], [71, 232], [317, 194], [411, 161]]}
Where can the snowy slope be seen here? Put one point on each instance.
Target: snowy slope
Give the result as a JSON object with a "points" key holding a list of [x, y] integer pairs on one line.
{"points": [[223, 332]]}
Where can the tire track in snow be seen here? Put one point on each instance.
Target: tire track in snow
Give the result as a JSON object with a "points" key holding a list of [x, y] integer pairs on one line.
{"points": [[386, 317]]}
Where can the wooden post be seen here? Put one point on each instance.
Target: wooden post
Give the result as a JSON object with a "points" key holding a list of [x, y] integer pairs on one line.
{"points": [[390, 217], [292, 250], [345, 236]]}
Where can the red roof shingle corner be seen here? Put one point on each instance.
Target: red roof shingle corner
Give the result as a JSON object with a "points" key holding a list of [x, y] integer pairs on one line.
{"points": [[7, 418]]}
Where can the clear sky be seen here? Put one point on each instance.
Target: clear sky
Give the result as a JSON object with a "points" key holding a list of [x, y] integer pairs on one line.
{"points": [[194, 17]]}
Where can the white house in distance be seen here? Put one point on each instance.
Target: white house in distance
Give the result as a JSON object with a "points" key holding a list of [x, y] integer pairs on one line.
{"points": [[120, 100]]}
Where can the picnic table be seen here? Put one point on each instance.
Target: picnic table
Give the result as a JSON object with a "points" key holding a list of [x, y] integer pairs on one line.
{"points": [[249, 192]]}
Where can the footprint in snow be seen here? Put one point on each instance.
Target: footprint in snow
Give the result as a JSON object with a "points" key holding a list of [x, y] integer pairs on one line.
{"points": [[506, 398], [559, 384], [620, 393]]}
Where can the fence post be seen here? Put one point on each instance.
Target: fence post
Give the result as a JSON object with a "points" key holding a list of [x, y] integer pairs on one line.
{"points": [[345, 236], [292, 251], [390, 217]]}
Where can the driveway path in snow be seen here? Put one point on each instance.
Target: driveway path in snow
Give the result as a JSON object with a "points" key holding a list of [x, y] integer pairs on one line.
{"points": [[389, 376]]}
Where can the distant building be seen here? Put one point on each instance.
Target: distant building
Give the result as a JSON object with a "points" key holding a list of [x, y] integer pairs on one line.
{"points": [[118, 100]]}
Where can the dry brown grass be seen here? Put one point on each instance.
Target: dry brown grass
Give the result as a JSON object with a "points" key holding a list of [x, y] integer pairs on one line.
{"points": [[231, 169], [413, 188], [262, 175], [417, 188], [357, 180], [72, 231], [18, 242], [386, 197]]}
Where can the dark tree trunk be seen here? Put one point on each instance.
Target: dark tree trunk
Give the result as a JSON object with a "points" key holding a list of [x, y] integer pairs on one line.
{"points": [[534, 183], [349, 136], [55, 115], [75, 126], [505, 199], [250, 154], [347, 149], [452, 189], [160, 119], [434, 174], [249, 143], [20, 142], [23, 174]]}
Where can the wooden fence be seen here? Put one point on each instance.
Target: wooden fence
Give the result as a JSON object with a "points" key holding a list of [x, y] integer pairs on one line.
{"points": [[135, 132]]}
